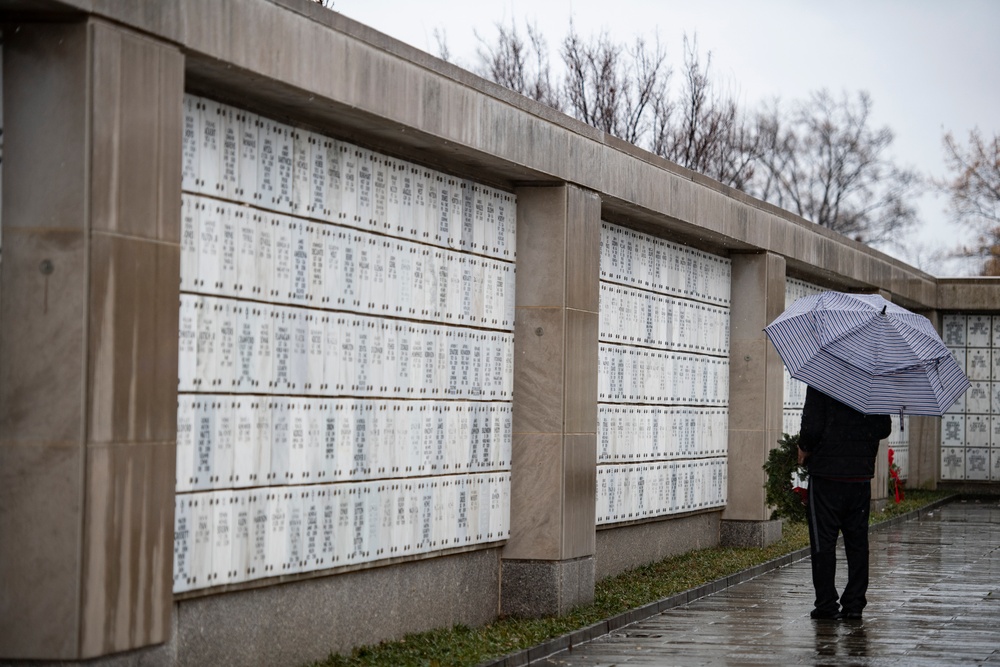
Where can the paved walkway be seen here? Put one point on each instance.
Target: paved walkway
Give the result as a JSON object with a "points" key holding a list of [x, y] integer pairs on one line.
{"points": [[934, 599]]}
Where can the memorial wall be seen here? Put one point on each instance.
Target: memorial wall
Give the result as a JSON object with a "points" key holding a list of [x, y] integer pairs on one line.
{"points": [[344, 359], [345, 354], [970, 431], [663, 378]]}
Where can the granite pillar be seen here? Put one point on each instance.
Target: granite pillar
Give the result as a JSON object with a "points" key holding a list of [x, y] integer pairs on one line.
{"points": [[756, 396], [548, 563], [88, 338]]}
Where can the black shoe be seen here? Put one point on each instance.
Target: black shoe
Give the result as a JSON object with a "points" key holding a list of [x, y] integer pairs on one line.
{"points": [[821, 614], [852, 615]]}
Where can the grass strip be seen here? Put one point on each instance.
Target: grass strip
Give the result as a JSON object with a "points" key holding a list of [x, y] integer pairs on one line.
{"points": [[461, 645]]}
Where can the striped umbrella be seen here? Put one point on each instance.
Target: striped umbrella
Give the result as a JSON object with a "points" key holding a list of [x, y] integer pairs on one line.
{"points": [[869, 353]]}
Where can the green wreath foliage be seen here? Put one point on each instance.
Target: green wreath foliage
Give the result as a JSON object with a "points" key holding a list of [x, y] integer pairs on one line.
{"points": [[782, 461]]}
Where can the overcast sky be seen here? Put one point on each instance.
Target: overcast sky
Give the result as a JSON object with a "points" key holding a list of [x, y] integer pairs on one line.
{"points": [[930, 65]]}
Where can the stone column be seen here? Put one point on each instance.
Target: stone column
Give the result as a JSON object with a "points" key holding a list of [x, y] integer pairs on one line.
{"points": [[548, 563], [88, 338], [925, 439], [756, 396]]}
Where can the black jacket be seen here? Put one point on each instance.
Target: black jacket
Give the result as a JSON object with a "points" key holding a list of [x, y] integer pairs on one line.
{"points": [[841, 441]]}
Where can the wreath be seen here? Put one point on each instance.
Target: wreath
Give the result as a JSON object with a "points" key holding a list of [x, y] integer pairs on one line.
{"points": [[787, 499]]}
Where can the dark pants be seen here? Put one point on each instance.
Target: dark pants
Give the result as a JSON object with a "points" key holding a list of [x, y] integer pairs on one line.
{"points": [[836, 506]]}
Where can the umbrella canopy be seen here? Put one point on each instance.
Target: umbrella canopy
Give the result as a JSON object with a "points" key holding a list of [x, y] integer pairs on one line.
{"points": [[869, 353]]}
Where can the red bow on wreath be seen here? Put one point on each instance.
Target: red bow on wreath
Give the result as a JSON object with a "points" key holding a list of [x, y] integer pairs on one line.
{"points": [[894, 474]]}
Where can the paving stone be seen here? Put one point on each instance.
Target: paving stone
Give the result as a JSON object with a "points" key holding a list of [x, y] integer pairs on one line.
{"points": [[933, 599]]}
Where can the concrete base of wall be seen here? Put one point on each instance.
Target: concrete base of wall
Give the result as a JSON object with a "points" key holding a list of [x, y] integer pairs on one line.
{"points": [[304, 621], [161, 655], [628, 547], [536, 588], [749, 533]]}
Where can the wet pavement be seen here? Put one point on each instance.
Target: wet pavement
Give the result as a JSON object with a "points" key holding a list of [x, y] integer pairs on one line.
{"points": [[934, 599]]}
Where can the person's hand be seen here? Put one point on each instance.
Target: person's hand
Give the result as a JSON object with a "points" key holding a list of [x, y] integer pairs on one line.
{"points": [[803, 455]]}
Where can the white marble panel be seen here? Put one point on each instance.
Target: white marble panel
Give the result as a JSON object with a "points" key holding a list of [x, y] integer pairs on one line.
{"points": [[953, 430], [209, 246], [266, 194], [422, 224], [353, 282], [276, 540], [256, 352], [187, 343], [432, 203], [229, 162], [315, 356], [226, 316], [978, 330], [456, 205], [282, 332], [364, 418], [223, 442], [977, 431], [381, 167], [365, 167], [300, 233], [222, 570], [298, 361], [281, 424], [379, 455], [187, 425], [333, 196], [298, 431], [378, 296], [977, 463], [344, 511], [349, 185], [299, 197], [444, 233], [346, 449], [262, 474], [281, 278], [284, 147], [210, 148], [248, 128], [467, 237], [191, 143], [312, 527], [190, 232], [295, 531], [318, 171], [425, 535], [978, 364], [977, 398], [338, 286], [263, 225], [326, 505], [203, 469], [244, 441], [954, 330], [201, 513], [246, 220], [183, 544]]}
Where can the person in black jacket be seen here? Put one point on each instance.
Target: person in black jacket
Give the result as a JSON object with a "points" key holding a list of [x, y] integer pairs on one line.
{"points": [[839, 445]]}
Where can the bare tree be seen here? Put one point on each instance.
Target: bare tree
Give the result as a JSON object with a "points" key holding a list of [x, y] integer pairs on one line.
{"points": [[441, 37], [826, 163], [713, 135], [519, 65], [973, 188], [613, 87]]}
